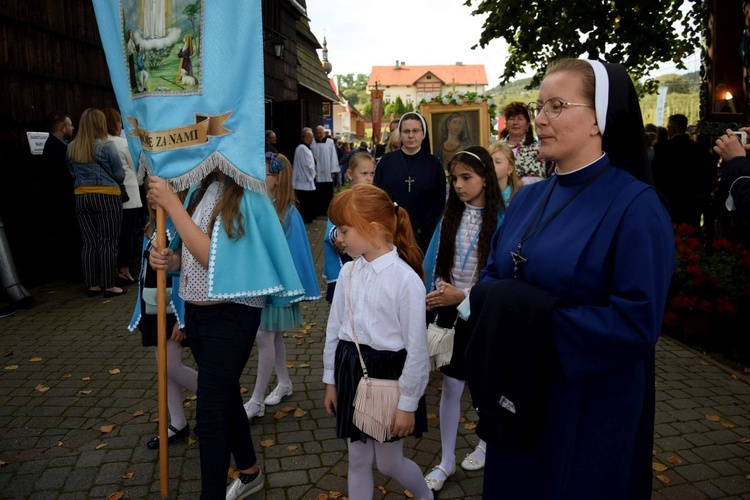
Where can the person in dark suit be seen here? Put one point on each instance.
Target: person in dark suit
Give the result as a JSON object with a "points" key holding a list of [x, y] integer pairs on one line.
{"points": [[735, 172], [684, 173], [58, 189]]}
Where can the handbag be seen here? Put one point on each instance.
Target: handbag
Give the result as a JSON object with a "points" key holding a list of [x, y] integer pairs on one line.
{"points": [[149, 300], [376, 400], [440, 340]]}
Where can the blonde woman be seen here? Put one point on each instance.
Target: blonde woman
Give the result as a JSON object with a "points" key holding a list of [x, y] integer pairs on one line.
{"points": [[97, 174]]}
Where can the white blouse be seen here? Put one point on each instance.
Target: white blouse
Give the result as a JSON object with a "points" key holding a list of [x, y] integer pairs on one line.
{"points": [[387, 299]]}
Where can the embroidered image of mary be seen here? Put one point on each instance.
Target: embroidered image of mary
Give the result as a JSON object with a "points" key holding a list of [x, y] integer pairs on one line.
{"points": [[159, 36]]}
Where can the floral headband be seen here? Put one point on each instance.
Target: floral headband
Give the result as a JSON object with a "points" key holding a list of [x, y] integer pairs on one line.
{"points": [[274, 164]]}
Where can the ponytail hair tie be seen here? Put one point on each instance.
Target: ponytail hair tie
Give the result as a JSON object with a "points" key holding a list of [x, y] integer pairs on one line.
{"points": [[395, 208]]}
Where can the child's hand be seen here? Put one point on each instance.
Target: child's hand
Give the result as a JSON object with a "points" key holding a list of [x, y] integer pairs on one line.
{"points": [[403, 423], [445, 295], [159, 257], [177, 334], [331, 400]]}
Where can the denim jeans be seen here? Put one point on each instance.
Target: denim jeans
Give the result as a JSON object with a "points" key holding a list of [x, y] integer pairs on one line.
{"points": [[221, 339]]}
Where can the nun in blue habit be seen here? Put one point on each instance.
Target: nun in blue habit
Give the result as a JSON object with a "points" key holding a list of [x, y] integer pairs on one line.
{"points": [[568, 312]]}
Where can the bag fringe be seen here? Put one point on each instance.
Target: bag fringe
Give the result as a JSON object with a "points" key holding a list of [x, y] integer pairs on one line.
{"points": [[439, 345], [375, 406]]}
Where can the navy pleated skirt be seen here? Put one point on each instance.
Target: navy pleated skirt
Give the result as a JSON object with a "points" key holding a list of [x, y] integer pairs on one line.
{"points": [[380, 364]]}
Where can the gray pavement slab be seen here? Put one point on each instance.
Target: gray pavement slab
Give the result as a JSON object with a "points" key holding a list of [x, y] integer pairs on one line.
{"points": [[59, 387]]}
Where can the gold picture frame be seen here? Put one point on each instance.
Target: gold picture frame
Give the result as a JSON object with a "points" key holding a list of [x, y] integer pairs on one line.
{"points": [[447, 136]]}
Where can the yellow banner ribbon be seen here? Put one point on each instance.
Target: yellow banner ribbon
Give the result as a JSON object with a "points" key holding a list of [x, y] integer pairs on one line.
{"points": [[205, 127]]}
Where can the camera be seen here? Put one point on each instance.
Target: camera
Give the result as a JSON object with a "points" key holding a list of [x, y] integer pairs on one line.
{"points": [[741, 135]]}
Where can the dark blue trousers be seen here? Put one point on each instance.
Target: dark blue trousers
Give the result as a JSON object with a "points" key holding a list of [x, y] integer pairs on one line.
{"points": [[221, 339]]}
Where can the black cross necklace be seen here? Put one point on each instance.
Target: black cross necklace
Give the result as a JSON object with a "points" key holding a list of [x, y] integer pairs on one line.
{"points": [[534, 227], [409, 181]]}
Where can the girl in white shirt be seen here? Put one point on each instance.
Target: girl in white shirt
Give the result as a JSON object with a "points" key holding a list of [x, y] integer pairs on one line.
{"points": [[385, 287]]}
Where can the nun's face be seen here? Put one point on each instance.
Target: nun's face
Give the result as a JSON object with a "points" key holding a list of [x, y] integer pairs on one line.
{"points": [[571, 139], [412, 134]]}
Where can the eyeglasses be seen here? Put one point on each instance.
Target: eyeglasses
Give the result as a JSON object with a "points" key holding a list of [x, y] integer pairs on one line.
{"points": [[551, 107], [411, 132]]}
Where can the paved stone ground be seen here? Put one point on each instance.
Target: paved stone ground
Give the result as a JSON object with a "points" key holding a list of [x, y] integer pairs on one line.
{"points": [[57, 390]]}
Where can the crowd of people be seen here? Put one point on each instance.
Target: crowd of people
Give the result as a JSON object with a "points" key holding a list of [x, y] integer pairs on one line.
{"points": [[547, 255]]}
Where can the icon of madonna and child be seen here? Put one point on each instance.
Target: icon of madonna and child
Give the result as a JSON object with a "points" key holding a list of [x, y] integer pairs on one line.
{"points": [[160, 39]]}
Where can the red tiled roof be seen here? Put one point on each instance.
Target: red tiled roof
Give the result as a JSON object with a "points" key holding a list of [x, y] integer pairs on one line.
{"points": [[463, 74]]}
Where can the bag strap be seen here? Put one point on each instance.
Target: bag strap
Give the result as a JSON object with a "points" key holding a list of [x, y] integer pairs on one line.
{"points": [[351, 322]]}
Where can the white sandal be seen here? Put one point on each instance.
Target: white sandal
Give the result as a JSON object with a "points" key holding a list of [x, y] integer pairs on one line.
{"points": [[437, 484], [471, 463]]}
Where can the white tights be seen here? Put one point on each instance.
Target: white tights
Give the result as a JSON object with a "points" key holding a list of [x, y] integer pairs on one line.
{"points": [[178, 376], [390, 461], [271, 356]]}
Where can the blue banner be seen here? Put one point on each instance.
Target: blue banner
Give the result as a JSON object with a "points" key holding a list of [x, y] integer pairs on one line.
{"points": [[188, 77]]}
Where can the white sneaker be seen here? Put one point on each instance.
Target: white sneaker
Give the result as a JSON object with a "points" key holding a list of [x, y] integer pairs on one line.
{"points": [[254, 409], [279, 392], [239, 490]]}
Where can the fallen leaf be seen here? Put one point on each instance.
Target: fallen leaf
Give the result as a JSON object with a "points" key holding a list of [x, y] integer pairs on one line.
{"points": [[67, 375], [311, 341], [115, 496], [734, 377], [11, 367], [745, 440], [299, 343], [84, 392], [313, 324], [285, 335], [470, 426], [243, 390], [280, 414], [128, 475], [107, 428], [321, 496], [3, 464], [659, 467], [59, 443], [705, 363], [36, 359], [267, 442], [462, 420], [155, 419], [674, 460], [100, 446], [292, 447], [139, 413], [114, 371], [664, 479], [194, 397], [431, 416], [727, 425], [298, 336], [85, 378], [186, 404], [191, 441], [299, 412], [304, 365], [736, 403], [234, 474], [41, 388], [289, 409], [8, 353], [335, 494], [713, 418], [383, 490], [408, 494], [289, 364]]}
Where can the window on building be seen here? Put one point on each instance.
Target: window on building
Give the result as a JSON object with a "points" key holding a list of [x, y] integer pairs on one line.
{"points": [[387, 97]]}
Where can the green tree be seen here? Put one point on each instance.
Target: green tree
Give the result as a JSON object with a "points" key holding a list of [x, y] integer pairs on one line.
{"points": [[400, 106], [367, 110], [640, 35], [192, 11], [409, 107]]}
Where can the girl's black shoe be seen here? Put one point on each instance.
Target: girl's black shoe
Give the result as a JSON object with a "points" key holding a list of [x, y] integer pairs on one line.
{"points": [[153, 443]]}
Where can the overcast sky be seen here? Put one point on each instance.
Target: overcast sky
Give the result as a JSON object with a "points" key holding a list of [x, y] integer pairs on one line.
{"points": [[419, 32]]}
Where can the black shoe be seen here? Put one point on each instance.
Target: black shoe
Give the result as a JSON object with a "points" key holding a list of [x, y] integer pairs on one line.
{"points": [[121, 281], [153, 443], [7, 311], [108, 294], [93, 293]]}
